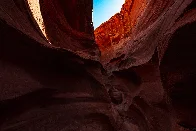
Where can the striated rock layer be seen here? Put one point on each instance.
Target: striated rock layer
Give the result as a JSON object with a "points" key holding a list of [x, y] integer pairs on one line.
{"points": [[144, 81]]}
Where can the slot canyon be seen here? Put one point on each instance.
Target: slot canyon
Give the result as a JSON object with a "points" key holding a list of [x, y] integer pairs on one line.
{"points": [[135, 72]]}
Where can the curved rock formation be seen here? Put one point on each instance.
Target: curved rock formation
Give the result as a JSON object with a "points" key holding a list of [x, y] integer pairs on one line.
{"points": [[58, 80], [154, 26], [178, 72]]}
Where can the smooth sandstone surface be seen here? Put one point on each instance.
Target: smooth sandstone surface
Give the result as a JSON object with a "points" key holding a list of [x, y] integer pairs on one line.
{"points": [[70, 78]]}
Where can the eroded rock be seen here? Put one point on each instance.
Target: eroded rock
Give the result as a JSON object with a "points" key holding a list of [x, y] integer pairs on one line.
{"points": [[62, 83]]}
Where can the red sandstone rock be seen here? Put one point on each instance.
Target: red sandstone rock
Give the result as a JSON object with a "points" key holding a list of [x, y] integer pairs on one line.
{"points": [[120, 25], [62, 86]]}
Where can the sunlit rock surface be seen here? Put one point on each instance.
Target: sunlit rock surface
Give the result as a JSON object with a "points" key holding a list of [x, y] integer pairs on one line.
{"points": [[120, 25], [145, 81]]}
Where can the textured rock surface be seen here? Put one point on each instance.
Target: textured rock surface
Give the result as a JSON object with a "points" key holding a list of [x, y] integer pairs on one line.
{"points": [[62, 83], [120, 25], [154, 27]]}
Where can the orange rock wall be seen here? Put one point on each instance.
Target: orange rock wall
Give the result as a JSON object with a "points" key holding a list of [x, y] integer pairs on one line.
{"points": [[120, 25]]}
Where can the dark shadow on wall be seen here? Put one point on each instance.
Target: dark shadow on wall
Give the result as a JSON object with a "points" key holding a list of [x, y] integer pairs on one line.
{"points": [[56, 70], [77, 13], [178, 70], [68, 24]]}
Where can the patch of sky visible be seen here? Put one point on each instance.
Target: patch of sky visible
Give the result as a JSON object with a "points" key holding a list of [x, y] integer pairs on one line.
{"points": [[103, 10]]}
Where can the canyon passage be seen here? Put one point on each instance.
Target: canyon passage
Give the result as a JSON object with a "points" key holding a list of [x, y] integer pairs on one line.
{"points": [[134, 72]]}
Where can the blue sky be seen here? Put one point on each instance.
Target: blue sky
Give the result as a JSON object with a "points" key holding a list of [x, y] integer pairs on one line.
{"points": [[105, 9]]}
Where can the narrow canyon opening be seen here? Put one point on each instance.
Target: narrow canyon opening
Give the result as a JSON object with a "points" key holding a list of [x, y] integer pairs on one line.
{"points": [[107, 19], [60, 70], [119, 26], [103, 10], [107, 23]]}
